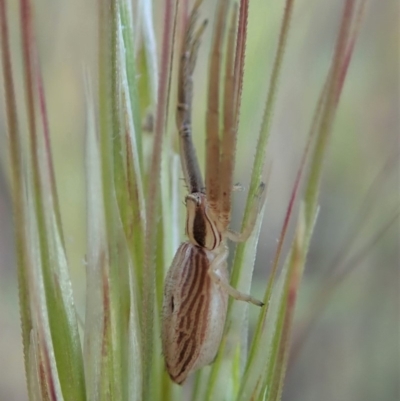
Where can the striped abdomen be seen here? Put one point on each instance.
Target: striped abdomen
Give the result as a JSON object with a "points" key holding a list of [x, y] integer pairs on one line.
{"points": [[194, 311]]}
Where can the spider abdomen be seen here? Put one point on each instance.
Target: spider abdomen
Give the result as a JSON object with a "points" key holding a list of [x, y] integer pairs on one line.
{"points": [[194, 312]]}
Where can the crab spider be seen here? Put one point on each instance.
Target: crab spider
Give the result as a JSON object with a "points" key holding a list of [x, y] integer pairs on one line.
{"points": [[197, 284]]}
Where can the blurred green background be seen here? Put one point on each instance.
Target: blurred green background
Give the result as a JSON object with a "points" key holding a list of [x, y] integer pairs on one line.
{"points": [[352, 352]]}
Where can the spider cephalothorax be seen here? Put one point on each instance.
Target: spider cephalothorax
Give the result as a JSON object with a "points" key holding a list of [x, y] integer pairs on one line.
{"points": [[201, 222]]}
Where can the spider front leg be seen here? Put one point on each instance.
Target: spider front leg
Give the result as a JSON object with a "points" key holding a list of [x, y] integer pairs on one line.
{"points": [[218, 264], [190, 165], [254, 212]]}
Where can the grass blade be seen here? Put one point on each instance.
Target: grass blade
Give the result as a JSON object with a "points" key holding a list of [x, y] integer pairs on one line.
{"points": [[57, 286], [153, 195], [15, 152]]}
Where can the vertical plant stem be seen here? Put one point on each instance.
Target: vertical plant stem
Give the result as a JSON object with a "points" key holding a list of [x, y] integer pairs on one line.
{"points": [[109, 130], [17, 188], [240, 55], [148, 315], [50, 166], [64, 334], [327, 115], [259, 159], [280, 350], [130, 66], [270, 104]]}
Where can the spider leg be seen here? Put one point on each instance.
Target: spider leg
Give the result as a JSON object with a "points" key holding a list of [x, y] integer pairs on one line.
{"points": [[218, 264], [255, 210], [188, 58]]}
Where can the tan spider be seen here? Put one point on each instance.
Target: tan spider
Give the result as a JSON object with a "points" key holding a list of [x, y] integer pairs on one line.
{"points": [[197, 284]]}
